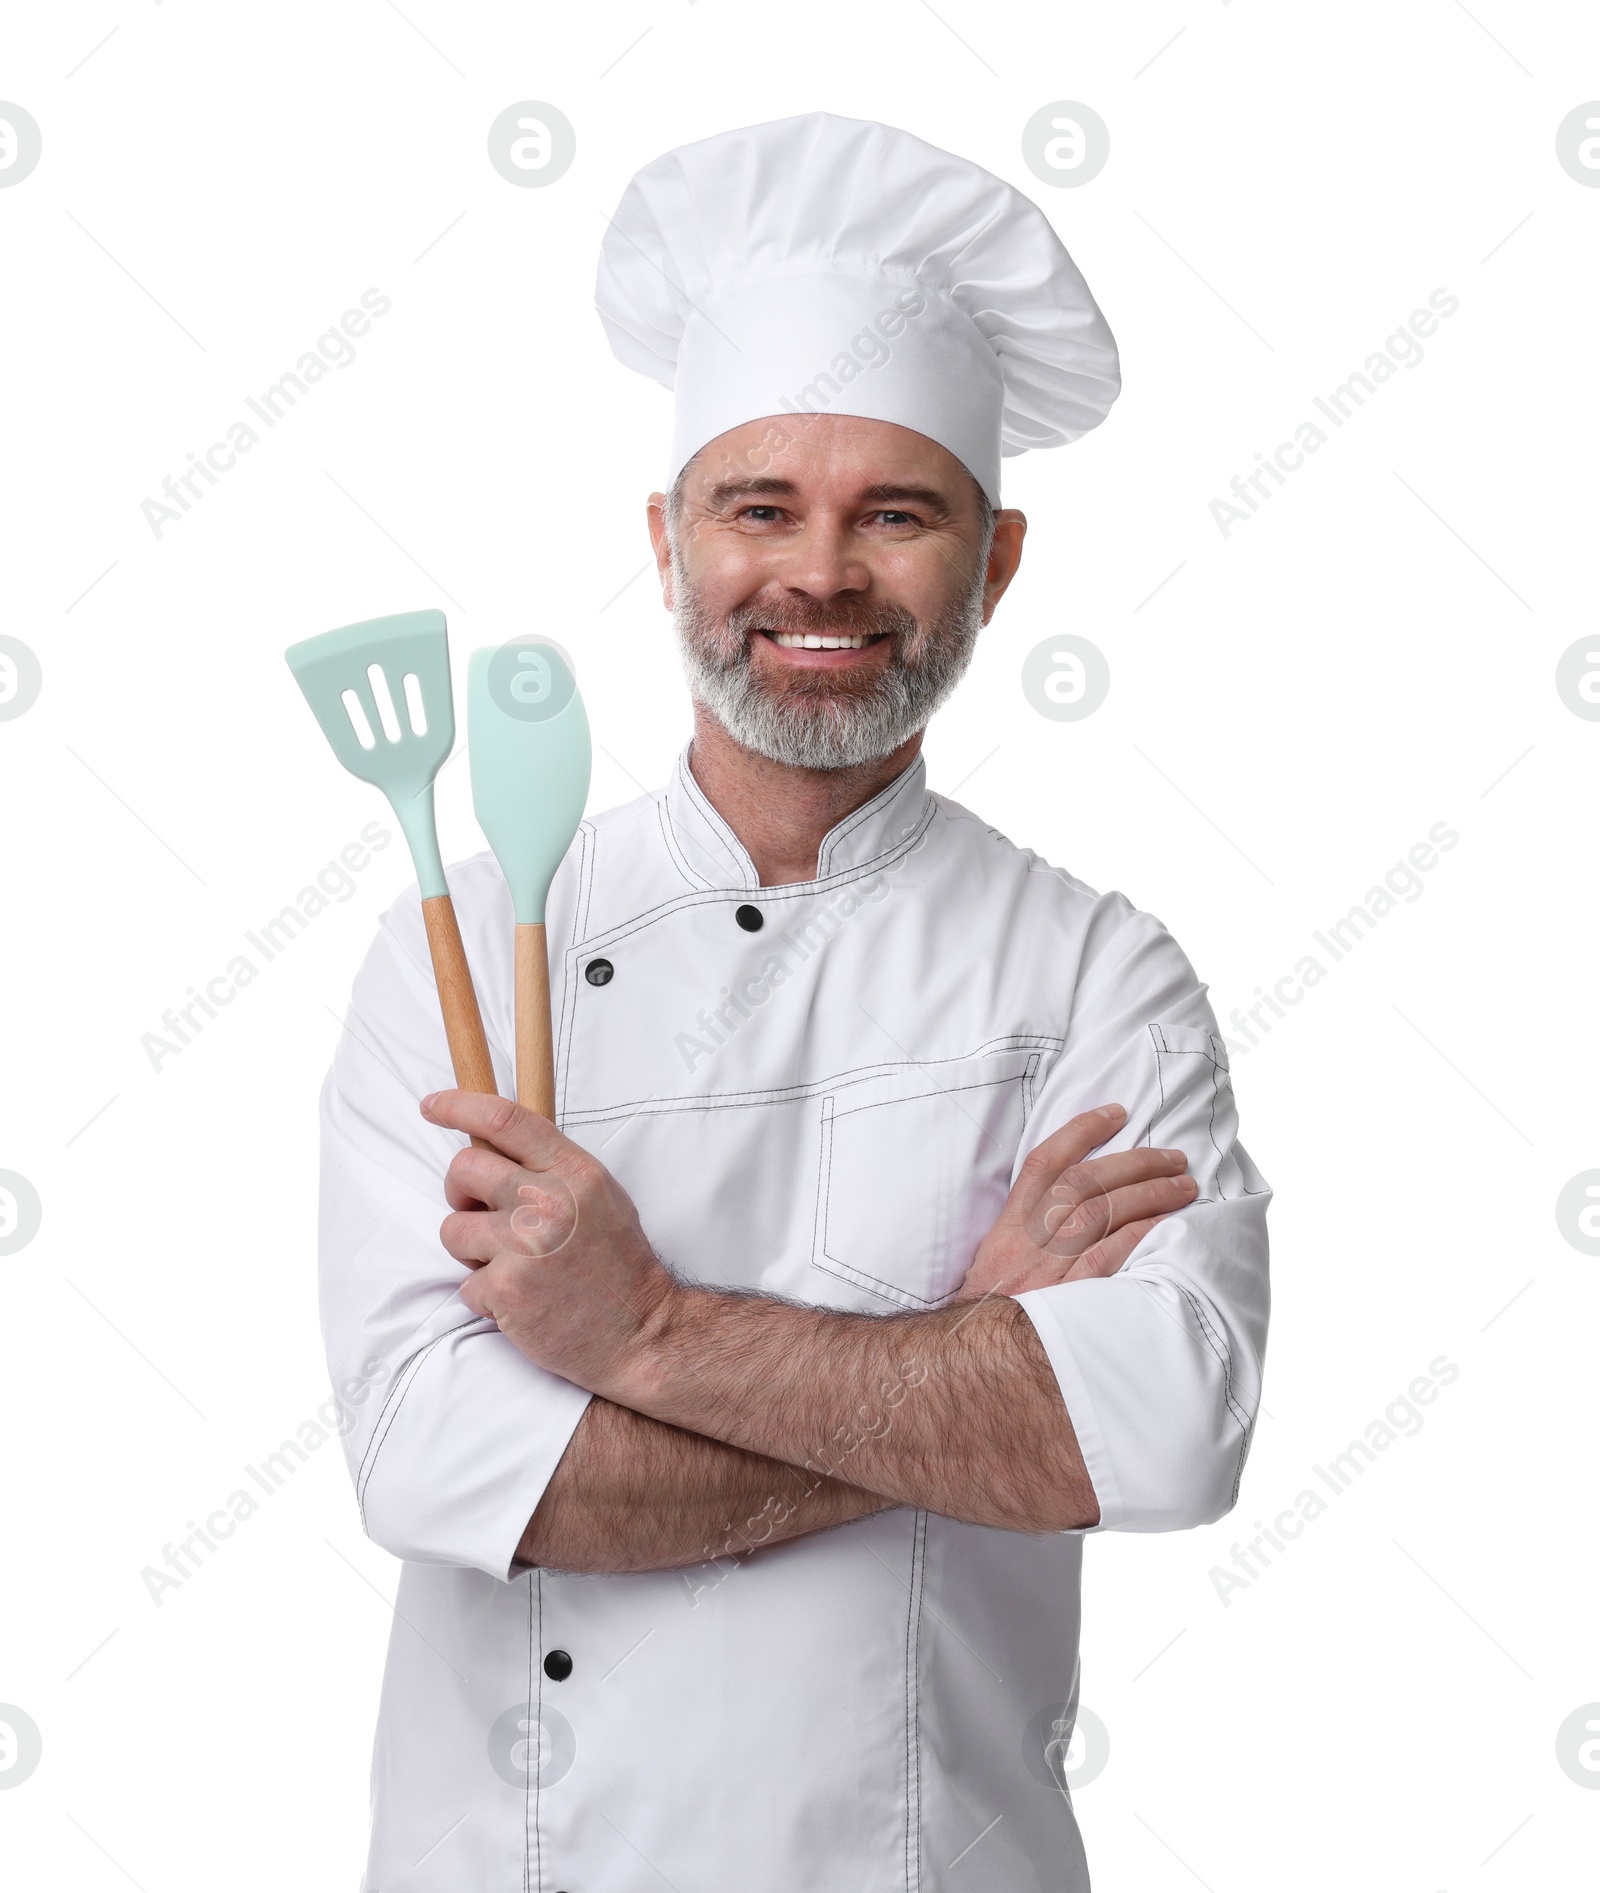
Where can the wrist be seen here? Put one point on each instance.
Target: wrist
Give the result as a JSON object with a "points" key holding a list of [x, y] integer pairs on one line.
{"points": [[644, 1373]]}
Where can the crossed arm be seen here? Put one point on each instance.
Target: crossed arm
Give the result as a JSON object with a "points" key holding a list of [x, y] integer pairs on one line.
{"points": [[724, 1421]]}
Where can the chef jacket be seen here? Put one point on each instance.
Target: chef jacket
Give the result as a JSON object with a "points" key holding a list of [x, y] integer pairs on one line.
{"points": [[823, 1091]]}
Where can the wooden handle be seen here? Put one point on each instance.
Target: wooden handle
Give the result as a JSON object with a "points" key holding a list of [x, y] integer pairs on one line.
{"points": [[536, 1071], [463, 1024]]}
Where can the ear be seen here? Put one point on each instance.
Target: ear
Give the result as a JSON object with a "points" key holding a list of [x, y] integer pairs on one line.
{"points": [[661, 543], [1005, 555]]}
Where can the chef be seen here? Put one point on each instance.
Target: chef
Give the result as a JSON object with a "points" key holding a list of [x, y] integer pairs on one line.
{"points": [[740, 1436]]}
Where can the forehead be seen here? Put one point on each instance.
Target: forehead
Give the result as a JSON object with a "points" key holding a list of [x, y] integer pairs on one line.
{"points": [[824, 457]]}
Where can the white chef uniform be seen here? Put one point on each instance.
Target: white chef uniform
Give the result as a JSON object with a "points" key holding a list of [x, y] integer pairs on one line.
{"points": [[831, 1107]]}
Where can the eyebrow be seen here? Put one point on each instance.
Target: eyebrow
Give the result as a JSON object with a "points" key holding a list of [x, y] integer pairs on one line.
{"points": [[768, 488], [925, 496], [884, 493]]}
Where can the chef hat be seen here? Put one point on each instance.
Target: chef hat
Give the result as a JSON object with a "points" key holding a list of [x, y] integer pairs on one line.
{"points": [[832, 265]]}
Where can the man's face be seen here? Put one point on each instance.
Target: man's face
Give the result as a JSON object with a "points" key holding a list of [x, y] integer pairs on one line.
{"points": [[829, 576]]}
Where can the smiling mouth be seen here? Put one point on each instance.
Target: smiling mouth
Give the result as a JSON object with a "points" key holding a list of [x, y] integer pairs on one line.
{"points": [[823, 640]]}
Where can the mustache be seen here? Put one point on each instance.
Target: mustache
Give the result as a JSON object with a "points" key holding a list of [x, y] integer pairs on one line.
{"points": [[845, 617]]}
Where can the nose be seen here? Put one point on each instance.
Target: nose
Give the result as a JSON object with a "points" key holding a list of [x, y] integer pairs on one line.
{"points": [[822, 561]]}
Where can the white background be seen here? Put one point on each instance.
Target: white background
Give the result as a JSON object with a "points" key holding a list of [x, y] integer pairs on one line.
{"points": [[1297, 704]]}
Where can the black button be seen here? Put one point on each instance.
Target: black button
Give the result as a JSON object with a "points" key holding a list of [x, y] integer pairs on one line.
{"points": [[750, 918], [598, 972], [558, 1666]]}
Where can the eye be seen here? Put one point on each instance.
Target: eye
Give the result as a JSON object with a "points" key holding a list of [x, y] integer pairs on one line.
{"points": [[891, 516], [763, 515]]}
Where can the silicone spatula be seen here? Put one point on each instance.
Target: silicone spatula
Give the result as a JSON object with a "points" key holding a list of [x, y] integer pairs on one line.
{"points": [[381, 691], [528, 738]]}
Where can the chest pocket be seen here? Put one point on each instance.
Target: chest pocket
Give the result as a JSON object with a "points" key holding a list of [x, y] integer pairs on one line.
{"points": [[914, 1164]]}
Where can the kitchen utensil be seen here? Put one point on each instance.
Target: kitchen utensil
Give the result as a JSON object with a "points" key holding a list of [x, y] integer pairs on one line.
{"points": [[381, 691], [528, 740]]}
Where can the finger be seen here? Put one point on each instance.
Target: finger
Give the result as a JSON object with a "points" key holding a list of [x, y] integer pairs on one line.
{"points": [[1105, 1258], [1074, 1229], [1102, 1174], [522, 1134], [1069, 1145], [482, 1177], [471, 1237], [1099, 1176], [477, 1291]]}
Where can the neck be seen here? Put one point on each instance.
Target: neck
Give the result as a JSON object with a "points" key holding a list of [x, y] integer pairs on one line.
{"points": [[781, 813]]}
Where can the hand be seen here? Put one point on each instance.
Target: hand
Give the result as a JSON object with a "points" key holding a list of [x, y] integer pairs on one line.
{"points": [[1070, 1216], [559, 1259]]}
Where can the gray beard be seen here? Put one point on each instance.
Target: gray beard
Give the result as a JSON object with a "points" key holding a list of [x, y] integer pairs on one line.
{"points": [[818, 721]]}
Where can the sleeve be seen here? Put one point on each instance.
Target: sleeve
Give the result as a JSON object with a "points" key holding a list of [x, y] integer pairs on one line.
{"points": [[450, 1433], [1160, 1364]]}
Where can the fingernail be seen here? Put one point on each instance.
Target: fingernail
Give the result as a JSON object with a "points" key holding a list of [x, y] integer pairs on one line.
{"points": [[427, 1102], [1110, 1110]]}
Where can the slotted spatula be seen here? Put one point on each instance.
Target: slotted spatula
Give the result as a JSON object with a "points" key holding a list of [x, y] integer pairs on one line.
{"points": [[381, 691], [528, 738]]}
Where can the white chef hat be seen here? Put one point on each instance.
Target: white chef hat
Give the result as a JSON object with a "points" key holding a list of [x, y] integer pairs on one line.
{"points": [[832, 265]]}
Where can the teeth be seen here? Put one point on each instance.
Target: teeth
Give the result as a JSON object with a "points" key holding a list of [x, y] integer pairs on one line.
{"points": [[813, 641]]}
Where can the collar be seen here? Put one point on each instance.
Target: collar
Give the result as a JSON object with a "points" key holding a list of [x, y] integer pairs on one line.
{"points": [[713, 856]]}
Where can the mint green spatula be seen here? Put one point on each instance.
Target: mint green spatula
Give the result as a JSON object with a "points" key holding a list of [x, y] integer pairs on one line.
{"points": [[528, 738], [381, 691]]}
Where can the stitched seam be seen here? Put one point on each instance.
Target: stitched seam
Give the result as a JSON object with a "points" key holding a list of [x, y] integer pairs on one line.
{"points": [[1189, 1051], [381, 1431], [860, 1074], [751, 1100], [1238, 1471], [942, 1091], [798, 890], [721, 833], [830, 1264], [536, 1698], [527, 1786], [674, 852], [1217, 1348], [1221, 1353], [1220, 1075], [922, 1569], [1211, 1124], [1028, 1092], [880, 803], [378, 1425], [569, 1020], [885, 1291], [581, 948], [587, 839], [819, 1220], [569, 964], [913, 1853]]}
